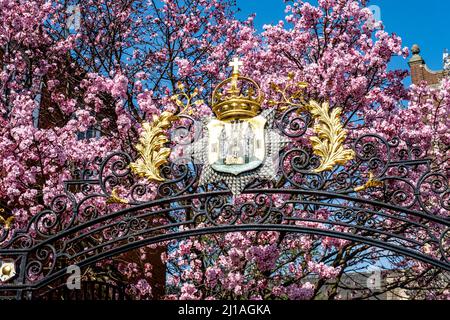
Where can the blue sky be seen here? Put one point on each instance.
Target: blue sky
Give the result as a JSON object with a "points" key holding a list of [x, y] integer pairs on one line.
{"points": [[415, 21]]}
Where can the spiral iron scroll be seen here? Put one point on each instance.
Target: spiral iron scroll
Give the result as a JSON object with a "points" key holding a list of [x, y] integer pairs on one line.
{"points": [[107, 203]]}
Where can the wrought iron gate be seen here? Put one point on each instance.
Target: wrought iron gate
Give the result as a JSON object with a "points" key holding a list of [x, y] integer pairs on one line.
{"points": [[388, 196]]}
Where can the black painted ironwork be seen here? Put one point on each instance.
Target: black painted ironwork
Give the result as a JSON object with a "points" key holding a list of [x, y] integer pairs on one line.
{"points": [[89, 290], [408, 214]]}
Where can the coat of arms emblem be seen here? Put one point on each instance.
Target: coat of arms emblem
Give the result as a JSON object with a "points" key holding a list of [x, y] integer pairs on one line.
{"points": [[240, 144], [237, 146]]}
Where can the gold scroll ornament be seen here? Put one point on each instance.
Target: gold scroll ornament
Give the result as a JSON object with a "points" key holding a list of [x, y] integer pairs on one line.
{"points": [[151, 147], [6, 223], [371, 183]]}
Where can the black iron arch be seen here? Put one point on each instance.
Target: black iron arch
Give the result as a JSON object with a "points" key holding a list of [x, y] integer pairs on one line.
{"points": [[389, 196], [91, 290], [60, 273]]}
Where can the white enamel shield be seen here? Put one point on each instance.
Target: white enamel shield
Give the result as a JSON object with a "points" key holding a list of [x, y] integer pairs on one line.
{"points": [[236, 146]]}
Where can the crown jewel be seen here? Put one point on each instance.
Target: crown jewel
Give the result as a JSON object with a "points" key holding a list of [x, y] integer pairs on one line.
{"points": [[237, 97]]}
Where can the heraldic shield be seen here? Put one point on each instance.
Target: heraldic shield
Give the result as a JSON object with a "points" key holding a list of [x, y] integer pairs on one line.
{"points": [[239, 142], [236, 146]]}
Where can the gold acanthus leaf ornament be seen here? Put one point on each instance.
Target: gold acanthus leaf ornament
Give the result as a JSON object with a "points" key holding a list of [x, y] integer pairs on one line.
{"points": [[151, 147], [330, 134], [328, 143], [152, 150]]}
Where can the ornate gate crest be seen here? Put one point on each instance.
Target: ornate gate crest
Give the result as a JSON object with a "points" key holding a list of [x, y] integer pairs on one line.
{"points": [[236, 147], [376, 192], [241, 144], [239, 152]]}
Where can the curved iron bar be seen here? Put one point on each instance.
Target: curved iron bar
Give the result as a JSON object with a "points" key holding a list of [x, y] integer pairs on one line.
{"points": [[226, 229], [164, 201], [192, 221], [135, 236], [83, 212]]}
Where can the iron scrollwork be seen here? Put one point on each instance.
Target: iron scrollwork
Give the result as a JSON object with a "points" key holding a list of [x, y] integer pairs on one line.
{"points": [[407, 193], [378, 191]]}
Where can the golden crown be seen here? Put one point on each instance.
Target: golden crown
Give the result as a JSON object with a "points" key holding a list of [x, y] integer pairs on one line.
{"points": [[237, 97]]}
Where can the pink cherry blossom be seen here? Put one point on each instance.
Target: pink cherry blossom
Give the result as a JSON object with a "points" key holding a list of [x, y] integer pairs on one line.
{"points": [[121, 67]]}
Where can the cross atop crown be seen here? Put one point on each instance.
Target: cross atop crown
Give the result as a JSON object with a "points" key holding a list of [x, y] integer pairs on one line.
{"points": [[236, 63], [237, 97]]}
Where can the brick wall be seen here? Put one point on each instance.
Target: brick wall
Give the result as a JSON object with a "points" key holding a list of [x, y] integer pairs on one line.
{"points": [[420, 72]]}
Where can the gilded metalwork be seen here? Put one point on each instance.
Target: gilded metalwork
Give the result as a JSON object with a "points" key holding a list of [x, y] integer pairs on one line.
{"points": [[238, 174], [7, 270], [238, 146], [185, 100], [328, 143], [237, 97], [153, 153], [372, 182], [151, 147], [115, 198], [291, 95], [6, 223]]}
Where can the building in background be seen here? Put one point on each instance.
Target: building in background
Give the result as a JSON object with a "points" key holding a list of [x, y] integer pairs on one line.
{"points": [[420, 71]]}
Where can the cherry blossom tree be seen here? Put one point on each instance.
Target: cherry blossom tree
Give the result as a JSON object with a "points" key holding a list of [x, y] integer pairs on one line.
{"points": [[79, 76], [115, 64], [114, 71], [343, 56]]}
